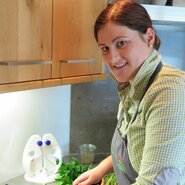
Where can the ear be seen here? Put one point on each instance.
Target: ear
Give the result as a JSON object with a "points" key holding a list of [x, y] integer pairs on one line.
{"points": [[150, 33]]}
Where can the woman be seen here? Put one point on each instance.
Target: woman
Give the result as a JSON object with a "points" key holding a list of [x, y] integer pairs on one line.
{"points": [[148, 143]]}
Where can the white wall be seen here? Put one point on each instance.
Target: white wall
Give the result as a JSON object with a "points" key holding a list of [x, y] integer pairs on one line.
{"points": [[172, 44], [26, 113]]}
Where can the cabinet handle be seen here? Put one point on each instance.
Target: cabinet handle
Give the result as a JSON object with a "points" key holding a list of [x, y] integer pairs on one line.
{"points": [[16, 63], [78, 61]]}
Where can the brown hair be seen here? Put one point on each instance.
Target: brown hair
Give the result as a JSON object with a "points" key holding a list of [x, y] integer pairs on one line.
{"points": [[126, 13]]}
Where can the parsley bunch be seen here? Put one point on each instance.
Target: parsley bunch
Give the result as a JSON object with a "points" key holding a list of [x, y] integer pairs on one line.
{"points": [[68, 172], [110, 179]]}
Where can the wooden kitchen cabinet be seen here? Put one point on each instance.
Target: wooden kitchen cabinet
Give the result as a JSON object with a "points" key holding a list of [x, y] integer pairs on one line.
{"points": [[48, 43], [25, 40], [75, 51]]}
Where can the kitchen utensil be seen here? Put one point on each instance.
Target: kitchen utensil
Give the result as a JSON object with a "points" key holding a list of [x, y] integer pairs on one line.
{"points": [[42, 158]]}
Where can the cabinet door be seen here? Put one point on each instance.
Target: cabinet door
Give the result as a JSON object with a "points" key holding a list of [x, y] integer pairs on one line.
{"points": [[75, 51], [12, 72], [25, 40]]}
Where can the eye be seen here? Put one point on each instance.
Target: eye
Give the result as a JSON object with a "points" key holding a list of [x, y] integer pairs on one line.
{"points": [[121, 44], [104, 49]]}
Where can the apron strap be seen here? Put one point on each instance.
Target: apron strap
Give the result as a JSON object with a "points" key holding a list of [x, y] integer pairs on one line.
{"points": [[158, 68]]}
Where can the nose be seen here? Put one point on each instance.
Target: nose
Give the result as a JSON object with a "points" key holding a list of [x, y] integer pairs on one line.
{"points": [[113, 56]]}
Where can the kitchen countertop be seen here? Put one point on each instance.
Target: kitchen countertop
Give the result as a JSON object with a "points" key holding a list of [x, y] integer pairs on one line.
{"points": [[19, 180]]}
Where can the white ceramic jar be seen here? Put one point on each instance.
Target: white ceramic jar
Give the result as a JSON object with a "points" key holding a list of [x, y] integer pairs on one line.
{"points": [[159, 2]]}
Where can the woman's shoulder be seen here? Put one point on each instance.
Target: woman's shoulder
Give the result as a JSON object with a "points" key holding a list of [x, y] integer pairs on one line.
{"points": [[170, 76], [169, 82], [170, 72]]}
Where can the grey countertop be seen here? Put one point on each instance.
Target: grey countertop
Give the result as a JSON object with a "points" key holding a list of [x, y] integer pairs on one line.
{"points": [[21, 181]]}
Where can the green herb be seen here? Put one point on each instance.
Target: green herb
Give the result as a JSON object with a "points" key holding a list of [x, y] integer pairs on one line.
{"points": [[110, 179], [68, 172]]}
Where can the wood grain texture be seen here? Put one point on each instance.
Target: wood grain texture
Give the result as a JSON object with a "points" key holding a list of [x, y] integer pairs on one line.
{"points": [[12, 87], [25, 35], [26, 30], [73, 37]]}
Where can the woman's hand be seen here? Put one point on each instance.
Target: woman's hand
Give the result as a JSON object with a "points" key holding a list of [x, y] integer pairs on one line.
{"points": [[88, 178], [95, 175]]}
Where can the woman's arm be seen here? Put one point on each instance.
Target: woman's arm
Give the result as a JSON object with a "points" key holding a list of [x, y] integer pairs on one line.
{"points": [[96, 174], [163, 155]]}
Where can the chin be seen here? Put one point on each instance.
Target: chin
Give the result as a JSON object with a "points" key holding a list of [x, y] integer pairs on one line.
{"points": [[120, 79]]}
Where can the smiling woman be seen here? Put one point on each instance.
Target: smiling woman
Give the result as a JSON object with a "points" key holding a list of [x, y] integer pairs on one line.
{"points": [[125, 41], [117, 42], [145, 149]]}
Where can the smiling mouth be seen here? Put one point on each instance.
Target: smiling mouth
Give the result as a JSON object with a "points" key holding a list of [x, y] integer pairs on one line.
{"points": [[118, 66]]}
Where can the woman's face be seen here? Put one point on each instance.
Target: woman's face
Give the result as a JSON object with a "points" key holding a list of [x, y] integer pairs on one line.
{"points": [[124, 50]]}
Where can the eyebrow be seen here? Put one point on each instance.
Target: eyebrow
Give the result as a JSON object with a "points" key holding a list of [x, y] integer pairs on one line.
{"points": [[101, 45], [118, 37]]}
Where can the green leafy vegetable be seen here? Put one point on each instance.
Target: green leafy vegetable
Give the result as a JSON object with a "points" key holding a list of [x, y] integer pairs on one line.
{"points": [[68, 172], [110, 179]]}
